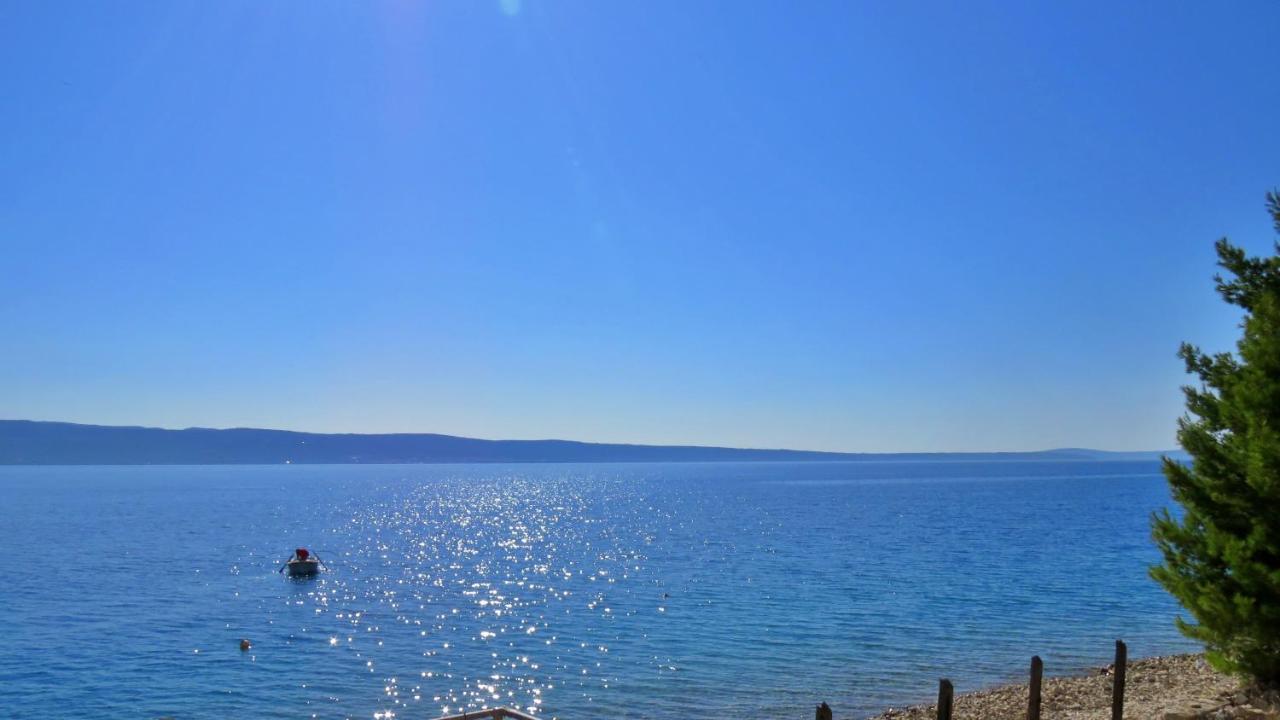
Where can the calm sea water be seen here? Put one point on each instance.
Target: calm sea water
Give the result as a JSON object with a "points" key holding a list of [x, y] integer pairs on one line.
{"points": [[647, 591]]}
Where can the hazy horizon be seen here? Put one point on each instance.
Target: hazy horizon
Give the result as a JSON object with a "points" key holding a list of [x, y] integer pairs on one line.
{"points": [[837, 226], [943, 451]]}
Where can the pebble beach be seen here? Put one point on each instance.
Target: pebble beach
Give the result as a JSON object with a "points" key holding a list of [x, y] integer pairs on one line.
{"points": [[1174, 687]]}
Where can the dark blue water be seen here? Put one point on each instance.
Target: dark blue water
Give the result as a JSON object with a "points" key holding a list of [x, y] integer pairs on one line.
{"points": [[648, 591]]}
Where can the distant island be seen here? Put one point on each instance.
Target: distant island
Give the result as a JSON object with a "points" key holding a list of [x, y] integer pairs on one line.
{"points": [[28, 442]]}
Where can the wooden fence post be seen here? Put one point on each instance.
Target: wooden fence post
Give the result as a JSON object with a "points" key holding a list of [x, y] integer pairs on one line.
{"points": [[1117, 687], [824, 712], [1033, 699], [945, 693]]}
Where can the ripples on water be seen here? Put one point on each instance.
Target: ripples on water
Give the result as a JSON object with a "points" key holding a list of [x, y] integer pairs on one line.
{"points": [[645, 591]]}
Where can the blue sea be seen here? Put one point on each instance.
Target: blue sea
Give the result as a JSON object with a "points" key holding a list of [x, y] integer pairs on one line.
{"points": [[570, 591]]}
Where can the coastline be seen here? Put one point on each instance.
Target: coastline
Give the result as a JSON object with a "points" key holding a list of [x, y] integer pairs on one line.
{"points": [[1170, 687]]}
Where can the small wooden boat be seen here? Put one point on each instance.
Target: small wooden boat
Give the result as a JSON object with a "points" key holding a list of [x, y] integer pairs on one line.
{"points": [[303, 563], [303, 568]]}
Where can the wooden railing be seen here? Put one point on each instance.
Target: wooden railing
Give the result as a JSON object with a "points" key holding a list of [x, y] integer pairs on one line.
{"points": [[498, 713]]}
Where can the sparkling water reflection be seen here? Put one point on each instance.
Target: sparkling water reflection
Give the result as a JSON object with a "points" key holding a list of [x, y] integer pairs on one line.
{"points": [[640, 590]]}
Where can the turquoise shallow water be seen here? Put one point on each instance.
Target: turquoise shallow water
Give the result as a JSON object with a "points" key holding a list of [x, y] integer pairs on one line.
{"points": [[648, 591]]}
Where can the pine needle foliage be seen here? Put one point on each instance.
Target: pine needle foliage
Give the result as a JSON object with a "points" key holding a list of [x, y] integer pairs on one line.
{"points": [[1222, 556]]}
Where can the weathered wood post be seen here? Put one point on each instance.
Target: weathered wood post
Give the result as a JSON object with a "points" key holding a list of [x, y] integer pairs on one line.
{"points": [[945, 693], [1117, 687], [824, 712], [1033, 698]]}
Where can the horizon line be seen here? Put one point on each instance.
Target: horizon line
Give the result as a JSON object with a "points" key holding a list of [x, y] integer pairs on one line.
{"points": [[1067, 448]]}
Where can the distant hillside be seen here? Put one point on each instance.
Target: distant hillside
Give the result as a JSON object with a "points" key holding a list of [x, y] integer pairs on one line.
{"points": [[25, 442]]}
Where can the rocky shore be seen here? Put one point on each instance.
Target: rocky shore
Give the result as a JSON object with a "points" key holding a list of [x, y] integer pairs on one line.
{"points": [[1175, 687]]}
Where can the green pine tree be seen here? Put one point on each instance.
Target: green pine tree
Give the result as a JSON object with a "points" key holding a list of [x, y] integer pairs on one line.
{"points": [[1222, 557]]}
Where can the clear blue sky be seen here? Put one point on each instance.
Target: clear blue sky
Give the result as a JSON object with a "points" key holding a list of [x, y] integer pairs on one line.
{"points": [[848, 225]]}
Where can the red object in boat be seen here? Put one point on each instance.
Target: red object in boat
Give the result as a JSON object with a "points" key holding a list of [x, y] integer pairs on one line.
{"points": [[302, 553]]}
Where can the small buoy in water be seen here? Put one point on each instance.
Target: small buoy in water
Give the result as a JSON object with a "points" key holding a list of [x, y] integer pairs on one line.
{"points": [[245, 645]]}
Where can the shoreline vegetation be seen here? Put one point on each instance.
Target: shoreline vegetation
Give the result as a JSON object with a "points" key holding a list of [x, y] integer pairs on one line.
{"points": [[1169, 687]]}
